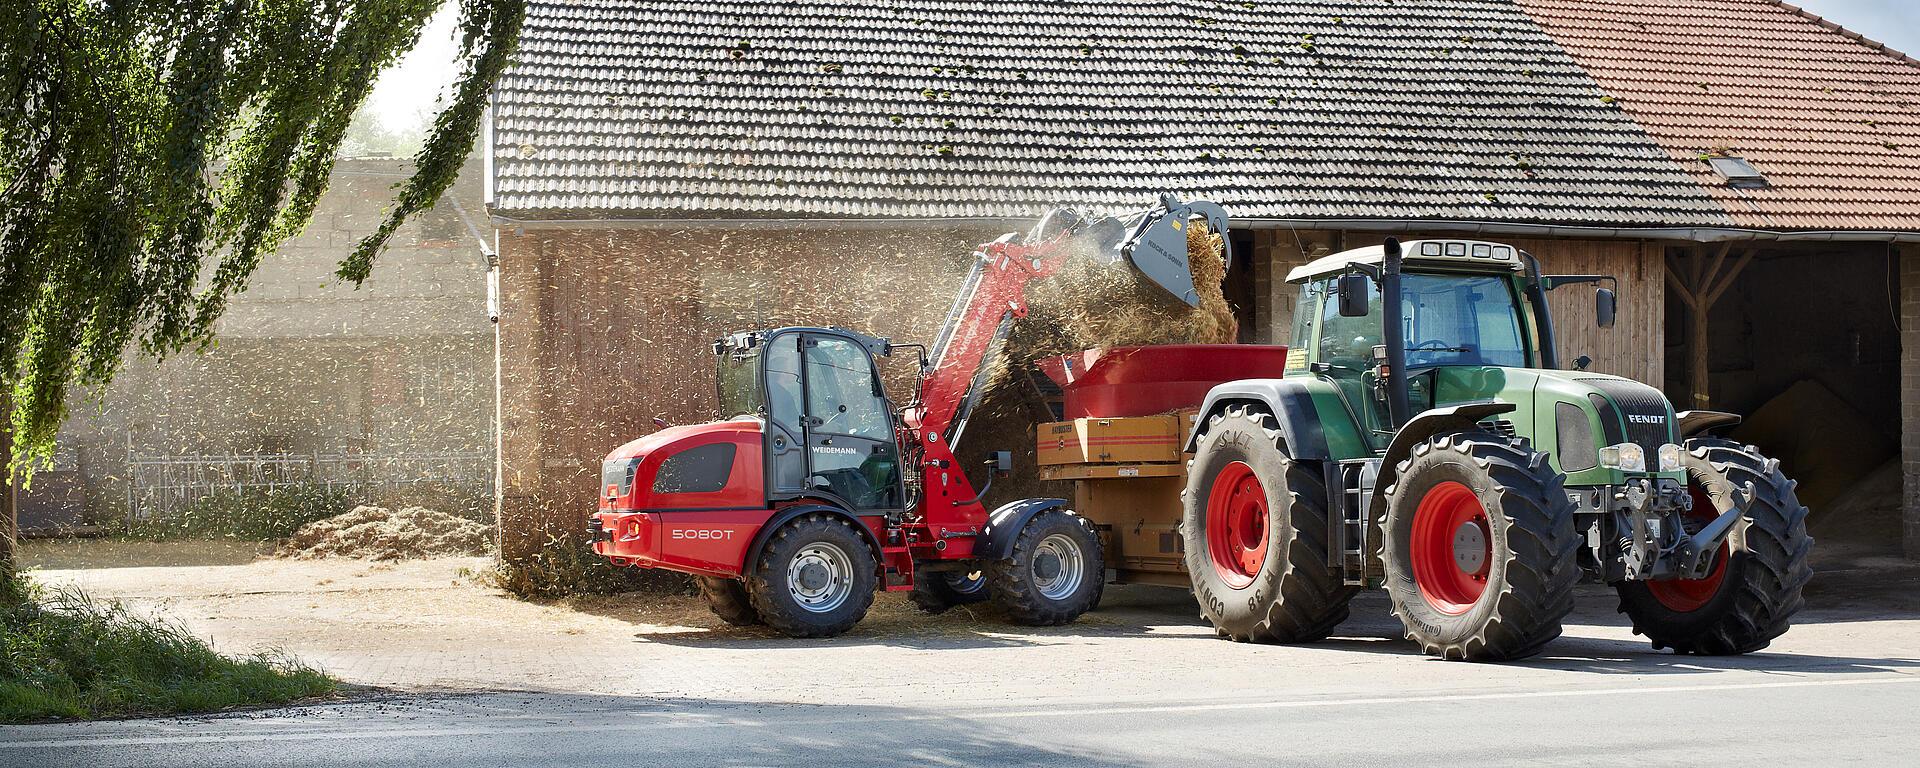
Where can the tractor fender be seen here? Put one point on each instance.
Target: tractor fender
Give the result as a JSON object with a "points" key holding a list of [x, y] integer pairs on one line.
{"points": [[790, 513], [1692, 423], [1428, 423], [1005, 524], [1287, 399]]}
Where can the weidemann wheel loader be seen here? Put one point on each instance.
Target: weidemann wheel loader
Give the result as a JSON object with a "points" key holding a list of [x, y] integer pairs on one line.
{"points": [[1425, 437], [818, 490]]}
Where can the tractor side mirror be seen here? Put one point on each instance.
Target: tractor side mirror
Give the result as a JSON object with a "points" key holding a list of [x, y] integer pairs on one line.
{"points": [[1604, 307], [1353, 295], [1001, 462]]}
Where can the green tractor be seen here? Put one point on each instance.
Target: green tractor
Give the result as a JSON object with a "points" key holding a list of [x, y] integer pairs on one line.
{"points": [[1426, 438]]}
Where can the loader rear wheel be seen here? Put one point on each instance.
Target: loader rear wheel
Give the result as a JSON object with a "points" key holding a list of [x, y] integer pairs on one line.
{"points": [[1255, 528], [1754, 589], [935, 592], [727, 598], [814, 578], [1479, 547], [1056, 572]]}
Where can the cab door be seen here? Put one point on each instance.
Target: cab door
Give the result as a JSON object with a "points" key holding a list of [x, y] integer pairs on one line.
{"points": [[851, 454]]}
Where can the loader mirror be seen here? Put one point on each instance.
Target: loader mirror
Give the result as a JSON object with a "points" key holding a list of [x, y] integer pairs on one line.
{"points": [[1604, 306], [1353, 295], [1001, 461]]}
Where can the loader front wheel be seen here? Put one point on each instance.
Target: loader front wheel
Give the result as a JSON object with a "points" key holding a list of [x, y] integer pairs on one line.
{"points": [[1255, 529], [814, 578], [1056, 572], [727, 598], [1753, 590], [1479, 547]]}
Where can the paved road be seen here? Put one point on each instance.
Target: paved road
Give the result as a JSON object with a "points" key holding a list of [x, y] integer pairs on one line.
{"points": [[1819, 718], [1141, 682]]}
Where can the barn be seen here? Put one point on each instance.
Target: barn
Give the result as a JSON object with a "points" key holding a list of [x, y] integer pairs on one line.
{"points": [[661, 172]]}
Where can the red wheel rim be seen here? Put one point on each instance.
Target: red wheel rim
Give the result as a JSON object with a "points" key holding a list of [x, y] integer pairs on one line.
{"points": [[1452, 548], [1237, 524], [1686, 595]]}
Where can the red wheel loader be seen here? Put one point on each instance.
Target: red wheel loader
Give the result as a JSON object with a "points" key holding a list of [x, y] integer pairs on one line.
{"points": [[820, 491]]}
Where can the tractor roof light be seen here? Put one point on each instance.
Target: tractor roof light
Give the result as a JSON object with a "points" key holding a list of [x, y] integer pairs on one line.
{"points": [[1670, 457], [1626, 457]]}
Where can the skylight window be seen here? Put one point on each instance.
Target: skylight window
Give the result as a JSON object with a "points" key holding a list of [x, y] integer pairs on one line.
{"points": [[1738, 172]]}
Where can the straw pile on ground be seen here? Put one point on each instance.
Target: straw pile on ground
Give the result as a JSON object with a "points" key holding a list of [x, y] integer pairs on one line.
{"points": [[378, 533]]}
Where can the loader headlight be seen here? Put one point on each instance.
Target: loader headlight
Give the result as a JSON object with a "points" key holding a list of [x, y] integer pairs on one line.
{"points": [[1626, 457], [1670, 458]]}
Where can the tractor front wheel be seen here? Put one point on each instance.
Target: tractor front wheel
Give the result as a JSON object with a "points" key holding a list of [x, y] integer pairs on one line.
{"points": [[1753, 590], [1057, 571], [1479, 547], [814, 578]]}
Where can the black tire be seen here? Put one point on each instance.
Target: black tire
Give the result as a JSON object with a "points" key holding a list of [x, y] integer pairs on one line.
{"points": [[778, 600], [727, 598], [936, 591], [1527, 558], [1292, 596], [1760, 589], [1024, 583]]}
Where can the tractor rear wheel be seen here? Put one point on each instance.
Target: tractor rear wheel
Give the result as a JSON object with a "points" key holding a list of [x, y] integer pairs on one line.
{"points": [[814, 578], [1753, 590], [1255, 528], [1056, 572], [1479, 547], [727, 598], [936, 591]]}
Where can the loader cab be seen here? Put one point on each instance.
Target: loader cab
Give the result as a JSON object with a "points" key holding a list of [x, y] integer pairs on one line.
{"points": [[829, 426], [1466, 311]]}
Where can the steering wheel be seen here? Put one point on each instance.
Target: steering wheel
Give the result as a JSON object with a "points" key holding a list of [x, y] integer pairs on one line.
{"points": [[1437, 345]]}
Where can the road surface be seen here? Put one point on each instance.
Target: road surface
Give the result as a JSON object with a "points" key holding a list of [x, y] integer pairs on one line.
{"points": [[1824, 718]]}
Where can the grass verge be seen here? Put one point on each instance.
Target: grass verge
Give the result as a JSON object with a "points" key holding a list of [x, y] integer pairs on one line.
{"points": [[64, 655]]}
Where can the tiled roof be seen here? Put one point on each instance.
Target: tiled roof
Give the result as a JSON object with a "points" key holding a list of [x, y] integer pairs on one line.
{"points": [[1831, 120], [1432, 109]]}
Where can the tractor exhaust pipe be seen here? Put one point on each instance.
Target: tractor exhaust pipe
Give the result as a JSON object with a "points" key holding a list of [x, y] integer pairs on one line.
{"points": [[1394, 336]]}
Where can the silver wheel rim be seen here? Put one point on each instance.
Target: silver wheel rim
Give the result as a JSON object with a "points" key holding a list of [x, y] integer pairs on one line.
{"points": [[820, 577], [1064, 581]]}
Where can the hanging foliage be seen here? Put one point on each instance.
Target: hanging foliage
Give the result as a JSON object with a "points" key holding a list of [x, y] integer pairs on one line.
{"points": [[152, 151]]}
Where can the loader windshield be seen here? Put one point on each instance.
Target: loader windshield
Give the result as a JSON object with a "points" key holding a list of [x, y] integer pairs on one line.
{"points": [[739, 382]]}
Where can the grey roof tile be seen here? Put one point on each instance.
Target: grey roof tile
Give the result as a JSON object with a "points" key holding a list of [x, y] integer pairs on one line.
{"points": [[1457, 109]]}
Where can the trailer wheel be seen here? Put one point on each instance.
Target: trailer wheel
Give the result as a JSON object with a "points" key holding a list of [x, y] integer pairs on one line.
{"points": [[1255, 530], [1754, 589], [727, 598], [936, 591], [815, 577], [1056, 572], [1479, 547]]}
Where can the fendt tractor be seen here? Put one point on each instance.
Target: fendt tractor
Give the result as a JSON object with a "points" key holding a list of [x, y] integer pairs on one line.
{"points": [[1424, 437], [819, 491]]}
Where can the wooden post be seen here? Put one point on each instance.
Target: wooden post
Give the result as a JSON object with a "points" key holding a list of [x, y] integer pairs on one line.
{"points": [[1704, 284], [9, 495]]}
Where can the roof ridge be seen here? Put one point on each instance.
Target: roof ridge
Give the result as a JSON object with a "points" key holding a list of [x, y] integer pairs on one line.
{"points": [[1848, 33]]}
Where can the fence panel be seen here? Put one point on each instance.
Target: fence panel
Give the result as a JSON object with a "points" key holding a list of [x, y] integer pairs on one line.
{"points": [[163, 485]]}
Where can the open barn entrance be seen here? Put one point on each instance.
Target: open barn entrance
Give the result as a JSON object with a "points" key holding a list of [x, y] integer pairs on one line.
{"points": [[1804, 341]]}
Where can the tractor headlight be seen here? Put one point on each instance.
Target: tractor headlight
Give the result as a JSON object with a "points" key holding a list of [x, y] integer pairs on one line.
{"points": [[1669, 458], [1626, 457]]}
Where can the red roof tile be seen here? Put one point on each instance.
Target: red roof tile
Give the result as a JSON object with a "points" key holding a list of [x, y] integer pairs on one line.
{"points": [[1832, 119]]}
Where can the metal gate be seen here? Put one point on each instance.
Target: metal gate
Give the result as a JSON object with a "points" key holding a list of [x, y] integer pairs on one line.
{"points": [[163, 485]]}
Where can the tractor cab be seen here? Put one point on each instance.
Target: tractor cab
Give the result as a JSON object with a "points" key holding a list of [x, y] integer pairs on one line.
{"points": [[830, 427], [1468, 313]]}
